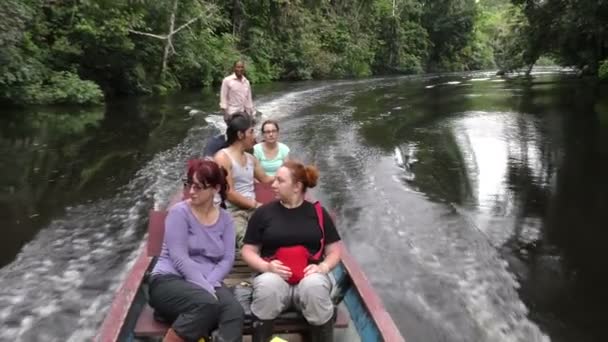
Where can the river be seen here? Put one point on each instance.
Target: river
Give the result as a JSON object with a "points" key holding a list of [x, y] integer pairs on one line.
{"points": [[475, 204]]}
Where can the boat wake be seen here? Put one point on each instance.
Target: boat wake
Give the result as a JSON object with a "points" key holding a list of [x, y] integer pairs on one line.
{"points": [[405, 157], [62, 282]]}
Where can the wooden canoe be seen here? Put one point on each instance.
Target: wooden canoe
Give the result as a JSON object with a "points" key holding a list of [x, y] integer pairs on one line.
{"points": [[361, 316]]}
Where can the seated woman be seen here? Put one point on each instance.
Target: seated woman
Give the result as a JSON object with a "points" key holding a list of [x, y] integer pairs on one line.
{"points": [[271, 153], [197, 254], [242, 169], [278, 228]]}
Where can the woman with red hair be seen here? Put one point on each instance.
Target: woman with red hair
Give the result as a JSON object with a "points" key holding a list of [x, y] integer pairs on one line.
{"points": [[197, 254], [293, 244]]}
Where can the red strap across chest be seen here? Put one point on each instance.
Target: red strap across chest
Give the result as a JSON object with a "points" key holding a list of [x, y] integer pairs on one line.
{"points": [[319, 211]]}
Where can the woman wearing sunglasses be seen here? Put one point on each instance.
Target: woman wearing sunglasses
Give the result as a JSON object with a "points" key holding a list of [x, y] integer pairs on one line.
{"points": [[271, 153], [197, 254]]}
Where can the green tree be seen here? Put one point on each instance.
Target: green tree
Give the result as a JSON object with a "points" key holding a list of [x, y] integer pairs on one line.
{"points": [[403, 43], [511, 39], [450, 26], [71, 51], [27, 70], [573, 31]]}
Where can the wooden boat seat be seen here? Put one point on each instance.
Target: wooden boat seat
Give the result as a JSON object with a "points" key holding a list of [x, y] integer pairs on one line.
{"points": [[289, 322], [148, 326]]}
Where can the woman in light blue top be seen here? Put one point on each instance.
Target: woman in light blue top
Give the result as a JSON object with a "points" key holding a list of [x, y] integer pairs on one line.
{"points": [[271, 153]]}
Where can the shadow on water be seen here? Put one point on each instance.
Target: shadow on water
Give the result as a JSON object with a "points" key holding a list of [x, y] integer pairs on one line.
{"points": [[57, 156], [566, 195]]}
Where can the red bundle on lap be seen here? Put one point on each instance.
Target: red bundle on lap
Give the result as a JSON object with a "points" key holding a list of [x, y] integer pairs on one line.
{"points": [[296, 258]]}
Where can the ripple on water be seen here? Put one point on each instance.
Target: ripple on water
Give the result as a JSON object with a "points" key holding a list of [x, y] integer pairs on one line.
{"points": [[425, 257]]}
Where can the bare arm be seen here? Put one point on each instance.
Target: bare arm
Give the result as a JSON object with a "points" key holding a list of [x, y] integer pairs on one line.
{"points": [[260, 174], [333, 254], [233, 196], [251, 255], [286, 158]]}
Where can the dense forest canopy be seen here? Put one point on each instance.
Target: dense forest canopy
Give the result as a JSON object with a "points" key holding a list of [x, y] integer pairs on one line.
{"points": [[77, 51]]}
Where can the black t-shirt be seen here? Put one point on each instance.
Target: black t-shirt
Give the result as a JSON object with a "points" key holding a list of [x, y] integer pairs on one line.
{"points": [[272, 226]]}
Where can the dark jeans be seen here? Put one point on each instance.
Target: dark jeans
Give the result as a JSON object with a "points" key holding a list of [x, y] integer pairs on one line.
{"points": [[194, 311]]}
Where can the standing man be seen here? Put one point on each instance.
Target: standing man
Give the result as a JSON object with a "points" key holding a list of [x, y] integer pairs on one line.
{"points": [[235, 95]]}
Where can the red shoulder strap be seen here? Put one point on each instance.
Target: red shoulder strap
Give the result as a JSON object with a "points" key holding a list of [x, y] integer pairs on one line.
{"points": [[319, 211]]}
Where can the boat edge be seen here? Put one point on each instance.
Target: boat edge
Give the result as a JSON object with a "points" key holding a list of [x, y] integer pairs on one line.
{"points": [[384, 322]]}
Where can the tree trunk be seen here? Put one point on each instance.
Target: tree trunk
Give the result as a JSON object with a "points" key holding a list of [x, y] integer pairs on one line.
{"points": [[168, 41], [168, 38], [529, 69], [236, 18]]}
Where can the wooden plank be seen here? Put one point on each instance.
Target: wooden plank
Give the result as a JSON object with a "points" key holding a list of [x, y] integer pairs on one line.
{"points": [[241, 269], [156, 232], [123, 300], [286, 337], [342, 318], [233, 282], [240, 263], [239, 277], [146, 326]]}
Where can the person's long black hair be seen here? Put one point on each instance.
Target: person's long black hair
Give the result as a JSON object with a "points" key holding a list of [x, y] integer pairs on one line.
{"points": [[239, 122]]}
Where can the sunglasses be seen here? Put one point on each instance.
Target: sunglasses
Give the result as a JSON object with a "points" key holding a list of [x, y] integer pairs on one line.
{"points": [[195, 186]]}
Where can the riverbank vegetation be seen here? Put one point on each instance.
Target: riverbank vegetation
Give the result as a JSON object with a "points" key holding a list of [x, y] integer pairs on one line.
{"points": [[78, 51]]}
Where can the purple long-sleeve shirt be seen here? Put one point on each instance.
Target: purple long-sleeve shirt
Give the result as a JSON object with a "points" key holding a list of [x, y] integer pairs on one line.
{"points": [[202, 254]]}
